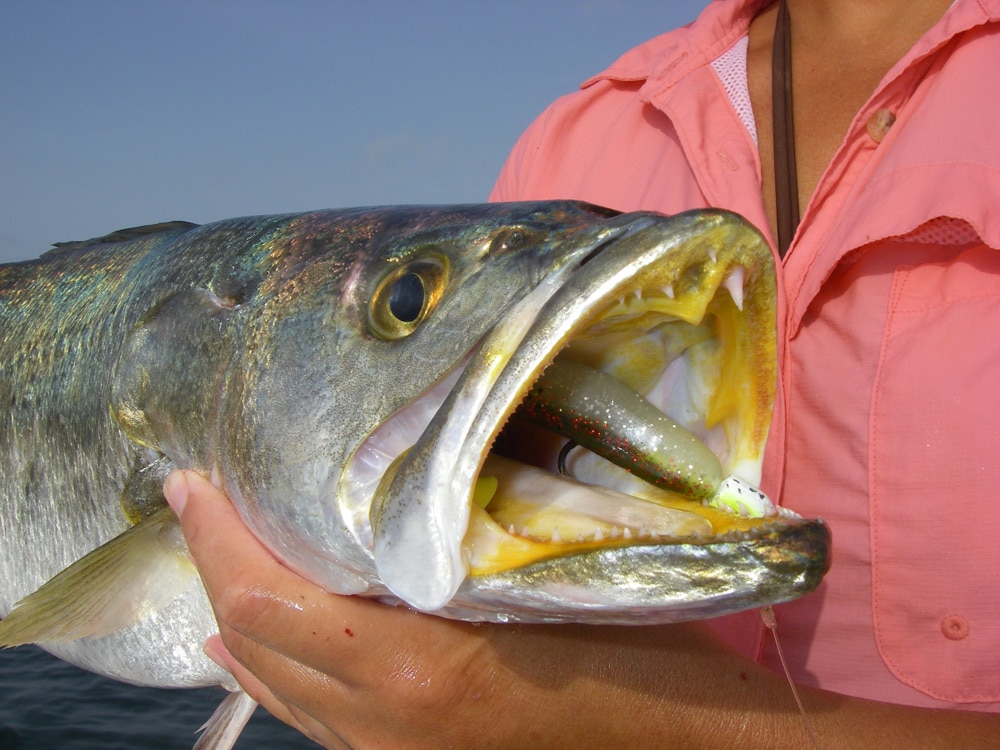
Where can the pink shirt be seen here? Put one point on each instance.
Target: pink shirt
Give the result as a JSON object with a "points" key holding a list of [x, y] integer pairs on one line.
{"points": [[888, 419]]}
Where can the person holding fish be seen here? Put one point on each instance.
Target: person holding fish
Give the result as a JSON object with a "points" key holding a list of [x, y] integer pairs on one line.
{"points": [[862, 138]]}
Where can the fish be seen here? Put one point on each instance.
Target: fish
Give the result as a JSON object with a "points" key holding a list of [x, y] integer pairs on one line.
{"points": [[515, 412]]}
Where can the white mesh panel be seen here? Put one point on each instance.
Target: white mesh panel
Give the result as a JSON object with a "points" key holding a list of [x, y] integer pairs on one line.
{"points": [[731, 67]]}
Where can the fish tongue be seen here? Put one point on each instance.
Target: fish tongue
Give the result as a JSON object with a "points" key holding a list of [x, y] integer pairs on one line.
{"points": [[540, 504]]}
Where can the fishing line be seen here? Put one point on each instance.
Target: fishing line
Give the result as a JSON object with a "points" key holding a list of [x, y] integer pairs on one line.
{"points": [[767, 615]]}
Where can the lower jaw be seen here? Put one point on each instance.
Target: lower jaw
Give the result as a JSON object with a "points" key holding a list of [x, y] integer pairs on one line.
{"points": [[643, 584], [525, 514]]}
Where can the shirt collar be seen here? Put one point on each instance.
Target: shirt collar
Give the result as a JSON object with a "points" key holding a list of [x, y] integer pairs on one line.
{"points": [[662, 62]]}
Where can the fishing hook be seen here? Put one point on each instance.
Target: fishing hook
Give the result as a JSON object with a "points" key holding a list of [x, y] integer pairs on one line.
{"points": [[570, 445]]}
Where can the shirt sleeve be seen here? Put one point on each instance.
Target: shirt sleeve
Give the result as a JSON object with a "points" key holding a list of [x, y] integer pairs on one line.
{"points": [[527, 150]]}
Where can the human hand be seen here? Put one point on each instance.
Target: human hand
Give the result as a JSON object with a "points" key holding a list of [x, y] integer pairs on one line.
{"points": [[351, 672]]}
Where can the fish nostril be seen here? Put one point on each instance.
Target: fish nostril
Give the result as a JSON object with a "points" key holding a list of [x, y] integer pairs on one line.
{"points": [[228, 294], [595, 251]]}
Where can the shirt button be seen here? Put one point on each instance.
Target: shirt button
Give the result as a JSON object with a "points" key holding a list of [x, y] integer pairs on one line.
{"points": [[879, 124], [955, 627]]}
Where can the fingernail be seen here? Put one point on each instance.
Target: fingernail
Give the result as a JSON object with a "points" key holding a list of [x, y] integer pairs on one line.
{"points": [[175, 490], [216, 651]]}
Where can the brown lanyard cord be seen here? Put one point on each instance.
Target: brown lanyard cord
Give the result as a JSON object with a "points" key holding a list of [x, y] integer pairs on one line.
{"points": [[786, 191]]}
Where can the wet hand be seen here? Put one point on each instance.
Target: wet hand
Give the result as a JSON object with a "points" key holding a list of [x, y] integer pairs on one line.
{"points": [[352, 672]]}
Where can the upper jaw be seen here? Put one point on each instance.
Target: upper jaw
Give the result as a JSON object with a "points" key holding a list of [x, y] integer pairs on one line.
{"points": [[704, 280]]}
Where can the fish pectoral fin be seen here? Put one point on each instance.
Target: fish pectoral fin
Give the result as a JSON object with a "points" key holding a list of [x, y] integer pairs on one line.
{"points": [[118, 584], [223, 728]]}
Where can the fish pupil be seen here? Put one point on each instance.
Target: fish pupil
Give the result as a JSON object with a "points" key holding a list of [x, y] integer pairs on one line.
{"points": [[406, 299]]}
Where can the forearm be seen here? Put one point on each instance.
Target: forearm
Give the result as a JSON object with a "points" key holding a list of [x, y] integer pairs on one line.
{"points": [[676, 686], [354, 673], [842, 722]]}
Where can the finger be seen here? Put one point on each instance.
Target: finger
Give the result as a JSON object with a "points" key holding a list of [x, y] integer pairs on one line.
{"points": [[251, 592], [216, 650], [279, 706], [293, 693], [355, 640]]}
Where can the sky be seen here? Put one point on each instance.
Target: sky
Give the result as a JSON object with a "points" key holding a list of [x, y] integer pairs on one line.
{"points": [[118, 113]]}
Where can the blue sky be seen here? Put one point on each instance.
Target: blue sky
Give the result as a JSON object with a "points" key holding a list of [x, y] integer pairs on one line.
{"points": [[115, 113]]}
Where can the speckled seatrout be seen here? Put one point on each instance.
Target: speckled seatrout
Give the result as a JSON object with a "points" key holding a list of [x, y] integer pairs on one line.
{"points": [[349, 378]]}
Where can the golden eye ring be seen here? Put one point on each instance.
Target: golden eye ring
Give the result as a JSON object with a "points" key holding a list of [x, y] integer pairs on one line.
{"points": [[405, 296]]}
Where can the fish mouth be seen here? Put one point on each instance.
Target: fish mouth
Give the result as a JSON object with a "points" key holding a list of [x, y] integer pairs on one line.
{"points": [[538, 505]]}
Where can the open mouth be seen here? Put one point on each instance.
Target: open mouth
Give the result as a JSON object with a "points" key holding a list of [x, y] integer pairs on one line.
{"points": [[647, 427], [632, 413]]}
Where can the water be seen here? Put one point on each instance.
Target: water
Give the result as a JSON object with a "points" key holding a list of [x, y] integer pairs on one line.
{"points": [[47, 704]]}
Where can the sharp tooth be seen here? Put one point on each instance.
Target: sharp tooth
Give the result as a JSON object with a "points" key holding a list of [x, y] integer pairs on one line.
{"points": [[627, 533], [734, 283], [614, 532], [713, 255], [669, 291], [598, 536], [556, 539], [579, 537]]}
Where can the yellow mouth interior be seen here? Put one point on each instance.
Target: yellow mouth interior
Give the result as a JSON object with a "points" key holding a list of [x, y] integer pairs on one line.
{"points": [[516, 529], [693, 347]]}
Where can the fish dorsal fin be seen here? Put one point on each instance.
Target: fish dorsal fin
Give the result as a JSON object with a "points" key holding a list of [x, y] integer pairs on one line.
{"points": [[122, 235], [136, 573], [222, 730]]}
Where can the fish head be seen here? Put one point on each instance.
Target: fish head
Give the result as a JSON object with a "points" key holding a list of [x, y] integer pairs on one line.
{"points": [[360, 324], [374, 439]]}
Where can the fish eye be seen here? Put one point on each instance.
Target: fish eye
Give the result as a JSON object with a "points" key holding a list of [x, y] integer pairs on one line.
{"points": [[405, 296]]}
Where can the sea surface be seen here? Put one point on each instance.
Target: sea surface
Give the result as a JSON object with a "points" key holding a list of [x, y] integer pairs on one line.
{"points": [[47, 704]]}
